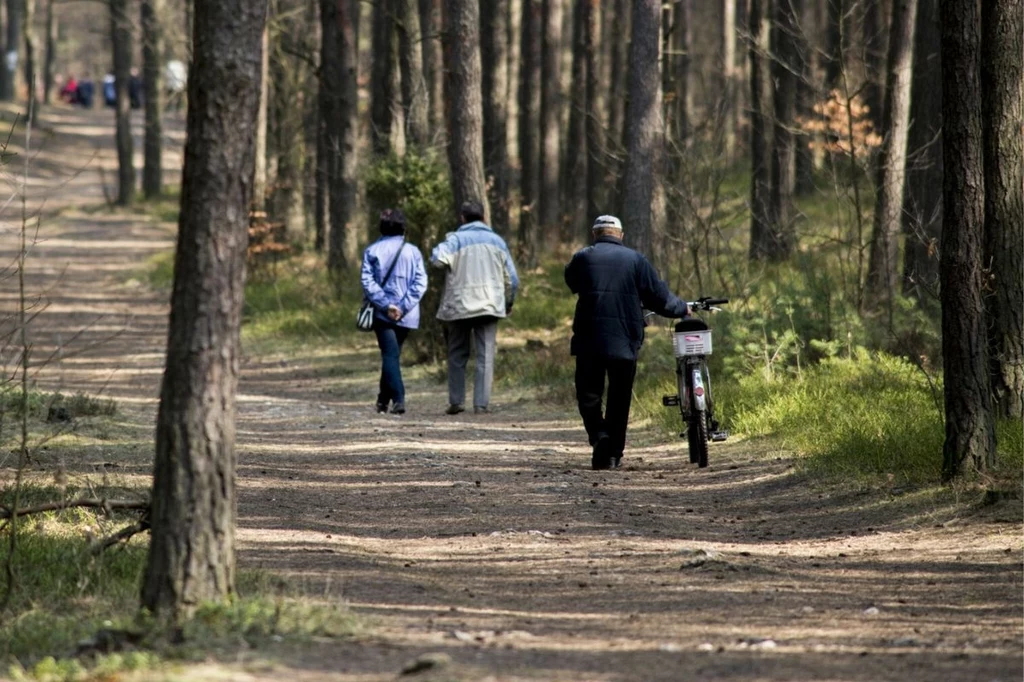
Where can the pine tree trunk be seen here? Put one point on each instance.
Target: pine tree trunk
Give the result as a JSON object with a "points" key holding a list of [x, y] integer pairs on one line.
{"points": [[645, 129], [884, 261], [259, 178], [463, 101], [595, 203], [433, 74], [682, 46], [550, 122], [414, 86], [382, 92], [288, 110], [494, 57], [31, 55], [806, 96], [728, 66], [51, 52], [12, 53], [970, 435], [620, 17], [343, 243], [121, 40], [834, 52], [784, 68], [574, 171], [529, 124], [760, 147], [1002, 85], [152, 53], [192, 551], [874, 60], [922, 199]]}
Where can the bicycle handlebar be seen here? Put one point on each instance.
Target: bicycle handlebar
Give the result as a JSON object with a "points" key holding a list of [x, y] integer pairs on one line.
{"points": [[706, 302]]}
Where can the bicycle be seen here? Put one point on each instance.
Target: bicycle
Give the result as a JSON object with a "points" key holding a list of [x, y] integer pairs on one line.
{"points": [[691, 342]]}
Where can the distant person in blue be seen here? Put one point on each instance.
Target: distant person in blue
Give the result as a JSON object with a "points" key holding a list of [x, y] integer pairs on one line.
{"points": [[396, 302], [109, 90], [614, 284], [479, 289]]}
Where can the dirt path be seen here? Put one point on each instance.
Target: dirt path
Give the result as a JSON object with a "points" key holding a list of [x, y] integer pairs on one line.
{"points": [[488, 540]]}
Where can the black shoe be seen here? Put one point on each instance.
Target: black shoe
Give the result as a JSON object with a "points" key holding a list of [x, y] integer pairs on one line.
{"points": [[480, 409], [398, 408], [382, 408], [616, 463], [601, 459], [455, 409]]}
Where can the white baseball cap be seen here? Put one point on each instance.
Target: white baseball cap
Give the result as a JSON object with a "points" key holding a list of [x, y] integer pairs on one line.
{"points": [[607, 221]]}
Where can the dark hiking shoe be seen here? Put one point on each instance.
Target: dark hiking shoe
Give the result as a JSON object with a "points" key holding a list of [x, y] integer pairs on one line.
{"points": [[382, 408], [398, 408], [601, 459], [481, 409], [616, 462], [454, 409]]}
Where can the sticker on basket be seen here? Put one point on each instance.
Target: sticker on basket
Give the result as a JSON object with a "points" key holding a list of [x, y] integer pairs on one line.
{"points": [[692, 338]]}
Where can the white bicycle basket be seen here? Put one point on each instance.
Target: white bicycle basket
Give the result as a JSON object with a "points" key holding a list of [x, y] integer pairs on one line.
{"points": [[692, 343]]}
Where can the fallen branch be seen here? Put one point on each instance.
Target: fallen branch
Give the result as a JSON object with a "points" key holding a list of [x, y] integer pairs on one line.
{"points": [[106, 505], [120, 536]]}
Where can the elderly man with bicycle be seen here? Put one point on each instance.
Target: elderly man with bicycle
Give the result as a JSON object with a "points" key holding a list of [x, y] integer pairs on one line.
{"points": [[614, 284]]}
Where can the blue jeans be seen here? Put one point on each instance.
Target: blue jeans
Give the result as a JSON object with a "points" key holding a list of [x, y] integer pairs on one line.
{"points": [[390, 338]]}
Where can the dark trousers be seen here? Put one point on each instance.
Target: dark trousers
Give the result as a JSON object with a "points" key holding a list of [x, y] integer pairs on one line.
{"points": [[390, 338], [590, 381]]}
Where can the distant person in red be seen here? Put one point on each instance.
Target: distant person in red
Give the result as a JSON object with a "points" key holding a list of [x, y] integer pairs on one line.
{"points": [[69, 93]]}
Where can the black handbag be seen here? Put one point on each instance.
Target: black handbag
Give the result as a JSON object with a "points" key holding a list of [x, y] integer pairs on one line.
{"points": [[364, 318]]}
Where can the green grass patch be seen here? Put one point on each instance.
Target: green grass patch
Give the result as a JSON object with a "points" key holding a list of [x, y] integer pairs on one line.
{"points": [[66, 596]]}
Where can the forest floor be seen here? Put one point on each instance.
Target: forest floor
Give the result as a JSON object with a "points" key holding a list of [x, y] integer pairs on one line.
{"points": [[483, 545]]}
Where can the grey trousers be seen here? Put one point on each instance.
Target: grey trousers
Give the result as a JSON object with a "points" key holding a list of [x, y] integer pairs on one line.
{"points": [[484, 335]]}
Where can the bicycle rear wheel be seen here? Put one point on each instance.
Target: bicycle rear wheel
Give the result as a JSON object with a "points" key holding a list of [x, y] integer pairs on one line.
{"points": [[697, 437]]}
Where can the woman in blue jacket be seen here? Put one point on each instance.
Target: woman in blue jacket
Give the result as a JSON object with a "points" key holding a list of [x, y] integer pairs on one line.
{"points": [[396, 301]]}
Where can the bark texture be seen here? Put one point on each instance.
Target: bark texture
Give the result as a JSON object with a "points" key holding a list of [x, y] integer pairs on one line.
{"points": [[382, 77], [595, 205], [884, 262], [152, 57], [495, 81], [462, 99], [551, 121], [785, 67], [760, 147], [12, 51], [433, 74], [1002, 86], [415, 98], [970, 437], [645, 129], [192, 552], [529, 123], [121, 41], [50, 51], [922, 199]]}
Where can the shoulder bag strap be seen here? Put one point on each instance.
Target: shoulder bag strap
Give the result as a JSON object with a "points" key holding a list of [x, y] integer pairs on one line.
{"points": [[394, 262]]}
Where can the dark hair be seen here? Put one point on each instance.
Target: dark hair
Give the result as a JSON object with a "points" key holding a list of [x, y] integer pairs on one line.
{"points": [[392, 222], [472, 210]]}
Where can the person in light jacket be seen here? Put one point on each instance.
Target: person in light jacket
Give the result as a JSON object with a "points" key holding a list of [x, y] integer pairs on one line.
{"points": [[396, 302], [480, 288]]}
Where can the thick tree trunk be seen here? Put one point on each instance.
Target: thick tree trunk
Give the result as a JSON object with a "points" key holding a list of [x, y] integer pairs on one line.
{"points": [[968, 397], [31, 55], [806, 96], [785, 66], [433, 69], [645, 129], [760, 147], [12, 53], [922, 198], [574, 170], [550, 122], [341, 81], [289, 108], [682, 92], [595, 203], [529, 123], [619, 25], [462, 99], [152, 57], [494, 57], [415, 98], [884, 261], [1002, 85], [51, 52], [192, 551], [382, 77], [121, 40]]}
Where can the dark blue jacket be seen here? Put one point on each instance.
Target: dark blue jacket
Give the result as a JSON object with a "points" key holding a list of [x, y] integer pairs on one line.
{"points": [[615, 284]]}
